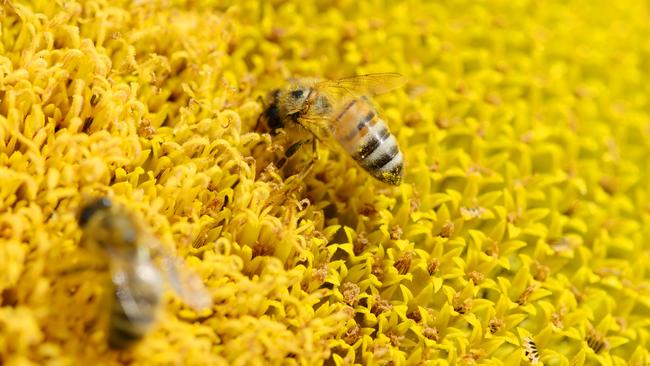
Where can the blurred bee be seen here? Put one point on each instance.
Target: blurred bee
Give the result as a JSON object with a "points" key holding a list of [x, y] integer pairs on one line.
{"points": [[139, 268], [530, 350], [341, 111]]}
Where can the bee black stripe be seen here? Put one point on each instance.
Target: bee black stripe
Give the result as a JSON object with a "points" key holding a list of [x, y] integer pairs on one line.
{"points": [[116, 343], [364, 121], [142, 318], [383, 159], [126, 332], [122, 338], [372, 143], [383, 133]]}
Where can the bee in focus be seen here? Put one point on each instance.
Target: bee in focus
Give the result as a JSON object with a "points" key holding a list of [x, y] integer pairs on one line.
{"points": [[341, 114], [139, 268]]}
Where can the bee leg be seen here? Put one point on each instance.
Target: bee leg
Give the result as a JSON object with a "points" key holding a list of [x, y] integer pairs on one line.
{"points": [[314, 150], [314, 157], [259, 121], [292, 150], [259, 118]]}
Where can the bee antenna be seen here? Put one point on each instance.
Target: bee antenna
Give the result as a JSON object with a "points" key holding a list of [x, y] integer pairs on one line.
{"points": [[259, 121], [91, 208]]}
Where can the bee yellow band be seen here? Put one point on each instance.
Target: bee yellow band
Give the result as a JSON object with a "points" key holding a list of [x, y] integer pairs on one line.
{"points": [[519, 232]]}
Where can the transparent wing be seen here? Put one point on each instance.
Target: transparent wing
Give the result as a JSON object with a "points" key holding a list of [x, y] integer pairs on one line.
{"points": [[321, 127], [185, 282], [318, 124], [340, 91], [370, 84]]}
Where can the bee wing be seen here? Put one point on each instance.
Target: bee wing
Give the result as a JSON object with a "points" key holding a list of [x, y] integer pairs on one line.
{"points": [[340, 91], [137, 287], [185, 282], [369, 84], [321, 127]]}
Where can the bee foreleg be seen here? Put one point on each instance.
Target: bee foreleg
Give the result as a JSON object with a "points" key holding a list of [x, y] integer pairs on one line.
{"points": [[291, 151]]}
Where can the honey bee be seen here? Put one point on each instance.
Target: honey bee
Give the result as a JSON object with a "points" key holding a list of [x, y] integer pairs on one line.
{"points": [[341, 114], [139, 268], [531, 352]]}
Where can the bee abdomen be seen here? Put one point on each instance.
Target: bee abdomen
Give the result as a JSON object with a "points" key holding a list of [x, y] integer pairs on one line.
{"points": [[125, 330], [123, 337], [380, 155], [367, 139]]}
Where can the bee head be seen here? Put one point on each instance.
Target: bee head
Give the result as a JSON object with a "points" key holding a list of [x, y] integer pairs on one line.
{"points": [[93, 207], [285, 106], [295, 99]]}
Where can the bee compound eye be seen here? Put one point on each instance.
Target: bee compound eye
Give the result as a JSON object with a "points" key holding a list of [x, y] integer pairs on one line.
{"points": [[297, 93], [90, 209]]}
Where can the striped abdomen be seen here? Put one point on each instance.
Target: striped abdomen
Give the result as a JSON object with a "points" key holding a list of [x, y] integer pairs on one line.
{"points": [[366, 137], [125, 330]]}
